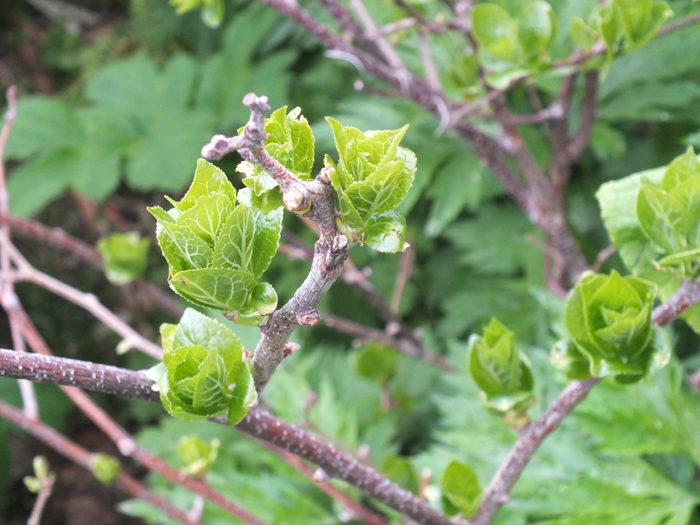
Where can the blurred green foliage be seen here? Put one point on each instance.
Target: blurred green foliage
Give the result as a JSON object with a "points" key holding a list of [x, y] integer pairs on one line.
{"points": [[132, 109]]}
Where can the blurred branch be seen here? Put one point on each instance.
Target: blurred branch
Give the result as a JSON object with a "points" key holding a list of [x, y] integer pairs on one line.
{"points": [[82, 457], [47, 484], [358, 510], [7, 288], [124, 441], [87, 301], [58, 238], [257, 423], [406, 345]]}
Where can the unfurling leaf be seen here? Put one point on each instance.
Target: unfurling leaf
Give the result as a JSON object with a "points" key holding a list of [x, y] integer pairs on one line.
{"points": [[669, 213], [204, 371], [291, 143], [217, 251], [401, 471], [372, 177], [105, 468], [124, 256], [500, 370], [460, 490], [609, 320], [197, 455]]}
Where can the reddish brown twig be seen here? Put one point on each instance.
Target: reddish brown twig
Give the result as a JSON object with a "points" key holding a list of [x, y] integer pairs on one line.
{"points": [[257, 423], [82, 457]]}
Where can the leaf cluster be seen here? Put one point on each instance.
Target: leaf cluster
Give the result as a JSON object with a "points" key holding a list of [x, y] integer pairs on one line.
{"points": [[204, 371], [609, 320], [371, 178], [217, 250]]}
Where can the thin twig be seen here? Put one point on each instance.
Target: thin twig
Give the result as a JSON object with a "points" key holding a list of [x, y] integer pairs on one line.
{"points": [[82, 457], [124, 441], [405, 270], [58, 238], [42, 498], [358, 510], [531, 437], [588, 117], [88, 301], [7, 290], [498, 492], [257, 423], [432, 77], [403, 344]]}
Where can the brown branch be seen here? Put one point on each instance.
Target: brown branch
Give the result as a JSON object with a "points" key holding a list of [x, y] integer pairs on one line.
{"points": [[497, 493], [531, 437], [588, 117], [258, 424], [678, 24], [312, 199], [358, 510], [61, 240], [82, 457], [406, 345], [47, 484], [126, 444]]}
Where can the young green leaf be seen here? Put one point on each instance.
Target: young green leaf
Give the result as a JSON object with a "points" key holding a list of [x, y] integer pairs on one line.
{"points": [[376, 362], [499, 369], [495, 30], [203, 372], [124, 256], [197, 455], [217, 288], [105, 468], [460, 490], [609, 319], [386, 232]]}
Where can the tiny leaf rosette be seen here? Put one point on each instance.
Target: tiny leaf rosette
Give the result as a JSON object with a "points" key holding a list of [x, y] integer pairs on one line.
{"points": [[204, 372], [291, 143], [197, 454], [371, 178], [125, 256], [218, 250], [500, 370], [609, 320]]}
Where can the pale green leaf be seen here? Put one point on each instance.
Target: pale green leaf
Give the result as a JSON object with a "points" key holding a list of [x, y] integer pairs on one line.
{"points": [[234, 246], [195, 328], [206, 217], [243, 396], [386, 232], [460, 487], [192, 249], [220, 289], [495, 30], [124, 256]]}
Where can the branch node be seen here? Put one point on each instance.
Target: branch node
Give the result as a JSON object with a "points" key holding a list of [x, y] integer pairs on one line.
{"points": [[309, 318], [320, 475], [340, 243], [295, 201], [289, 348]]}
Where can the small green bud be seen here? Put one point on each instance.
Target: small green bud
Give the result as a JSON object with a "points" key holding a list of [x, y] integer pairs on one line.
{"points": [[105, 468]]}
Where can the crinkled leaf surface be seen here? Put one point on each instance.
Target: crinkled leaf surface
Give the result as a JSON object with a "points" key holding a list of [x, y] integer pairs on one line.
{"points": [[217, 288]]}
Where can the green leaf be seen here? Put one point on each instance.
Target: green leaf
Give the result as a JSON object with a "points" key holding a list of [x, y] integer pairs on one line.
{"points": [[195, 328], [583, 35], [124, 256], [460, 488], [208, 179], [234, 246], [268, 229], [401, 471], [191, 248], [105, 468], [197, 455], [213, 12], [495, 30], [217, 288], [384, 189], [376, 362], [204, 369], [386, 232], [536, 24], [243, 396], [609, 319], [500, 370], [207, 216], [263, 302]]}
